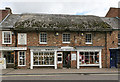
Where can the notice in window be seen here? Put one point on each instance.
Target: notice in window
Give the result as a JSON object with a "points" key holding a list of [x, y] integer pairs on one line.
{"points": [[73, 56]]}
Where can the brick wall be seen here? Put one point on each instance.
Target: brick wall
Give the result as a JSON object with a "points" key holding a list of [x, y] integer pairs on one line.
{"points": [[113, 12], [76, 40]]}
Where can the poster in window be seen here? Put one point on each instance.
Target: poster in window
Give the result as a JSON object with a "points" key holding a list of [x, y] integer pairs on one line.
{"points": [[22, 38], [73, 56]]}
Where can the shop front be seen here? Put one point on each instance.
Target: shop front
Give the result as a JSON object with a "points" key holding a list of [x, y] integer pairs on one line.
{"points": [[58, 57], [43, 57], [8, 54], [89, 56]]}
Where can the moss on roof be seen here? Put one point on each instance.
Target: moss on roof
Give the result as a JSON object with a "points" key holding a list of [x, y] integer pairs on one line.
{"points": [[55, 22]]}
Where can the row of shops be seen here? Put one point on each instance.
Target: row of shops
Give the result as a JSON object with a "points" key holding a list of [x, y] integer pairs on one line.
{"points": [[54, 56]]}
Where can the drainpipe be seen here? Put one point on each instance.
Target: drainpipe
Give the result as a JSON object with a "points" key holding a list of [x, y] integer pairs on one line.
{"points": [[106, 49], [15, 67]]}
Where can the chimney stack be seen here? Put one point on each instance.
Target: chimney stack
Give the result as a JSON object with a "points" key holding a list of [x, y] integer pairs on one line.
{"points": [[8, 9]]}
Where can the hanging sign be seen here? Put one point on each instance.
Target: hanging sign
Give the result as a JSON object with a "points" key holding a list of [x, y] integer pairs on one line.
{"points": [[73, 56]]}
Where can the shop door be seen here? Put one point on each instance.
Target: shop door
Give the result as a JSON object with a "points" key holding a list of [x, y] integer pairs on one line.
{"points": [[113, 58], [9, 59], [65, 54]]}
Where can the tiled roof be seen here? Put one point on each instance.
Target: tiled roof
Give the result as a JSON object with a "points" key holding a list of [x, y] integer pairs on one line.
{"points": [[55, 22]]}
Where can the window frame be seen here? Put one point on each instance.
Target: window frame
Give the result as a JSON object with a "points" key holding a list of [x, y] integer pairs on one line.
{"points": [[86, 38], [3, 37], [40, 38], [25, 39], [19, 58], [65, 41], [118, 39], [59, 62], [43, 56]]}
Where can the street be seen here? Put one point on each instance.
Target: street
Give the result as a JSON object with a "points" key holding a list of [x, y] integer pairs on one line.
{"points": [[62, 77]]}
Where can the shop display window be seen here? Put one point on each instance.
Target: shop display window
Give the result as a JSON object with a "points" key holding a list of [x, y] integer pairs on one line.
{"points": [[89, 57], [43, 58]]}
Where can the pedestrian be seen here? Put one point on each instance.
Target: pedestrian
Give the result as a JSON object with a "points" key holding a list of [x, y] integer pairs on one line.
{"points": [[68, 60]]}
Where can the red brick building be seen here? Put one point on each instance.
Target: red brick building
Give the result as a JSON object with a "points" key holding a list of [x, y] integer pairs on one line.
{"points": [[45, 40], [113, 12], [115, 52]]}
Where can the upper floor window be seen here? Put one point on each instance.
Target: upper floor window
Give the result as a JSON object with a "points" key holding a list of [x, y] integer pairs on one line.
{"points": [[6, 37], [119, 38], [43, 38], [88, 38], [66, 38], [22, 38]]}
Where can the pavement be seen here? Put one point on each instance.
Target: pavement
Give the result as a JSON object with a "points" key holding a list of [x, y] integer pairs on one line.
{"points": [[46, 71]]}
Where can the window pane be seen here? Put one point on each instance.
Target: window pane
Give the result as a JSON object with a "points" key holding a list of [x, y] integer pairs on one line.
{"points": [[43, 37], [21, 58], [89, 57], [66, 37], [88, 38], [7, 37]]}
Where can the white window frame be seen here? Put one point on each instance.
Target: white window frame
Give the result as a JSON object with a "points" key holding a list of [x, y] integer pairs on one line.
{"points": [[100, 58], [59, 62], [25, 39], [40, 38], [3, 37], [91, 39], [118, 38], [65, 41], [19, 58], [32, 55]]}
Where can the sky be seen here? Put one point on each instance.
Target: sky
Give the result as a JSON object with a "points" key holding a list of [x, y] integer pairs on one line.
{"points": [[72, 7]]}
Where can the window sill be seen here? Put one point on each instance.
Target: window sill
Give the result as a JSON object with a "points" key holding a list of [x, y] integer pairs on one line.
{"points": [[66, 42], [21, 65], [88, 43], [6, 43], [43, 43], [22, 44]]}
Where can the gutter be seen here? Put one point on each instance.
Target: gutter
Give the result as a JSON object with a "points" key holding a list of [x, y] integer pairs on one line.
{"points": [[106, 49], [16, 57]]}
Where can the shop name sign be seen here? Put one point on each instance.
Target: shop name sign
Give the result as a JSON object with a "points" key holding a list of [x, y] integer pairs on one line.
{"points": [[2, 63], [67, 49], [13, 48]]}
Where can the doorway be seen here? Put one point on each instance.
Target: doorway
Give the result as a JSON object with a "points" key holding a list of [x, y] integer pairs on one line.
{"points": [[65, 54], [113, 59], [9, 56]]}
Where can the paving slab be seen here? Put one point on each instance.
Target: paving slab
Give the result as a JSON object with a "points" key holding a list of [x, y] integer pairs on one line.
{"points": [[57, 71]]}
